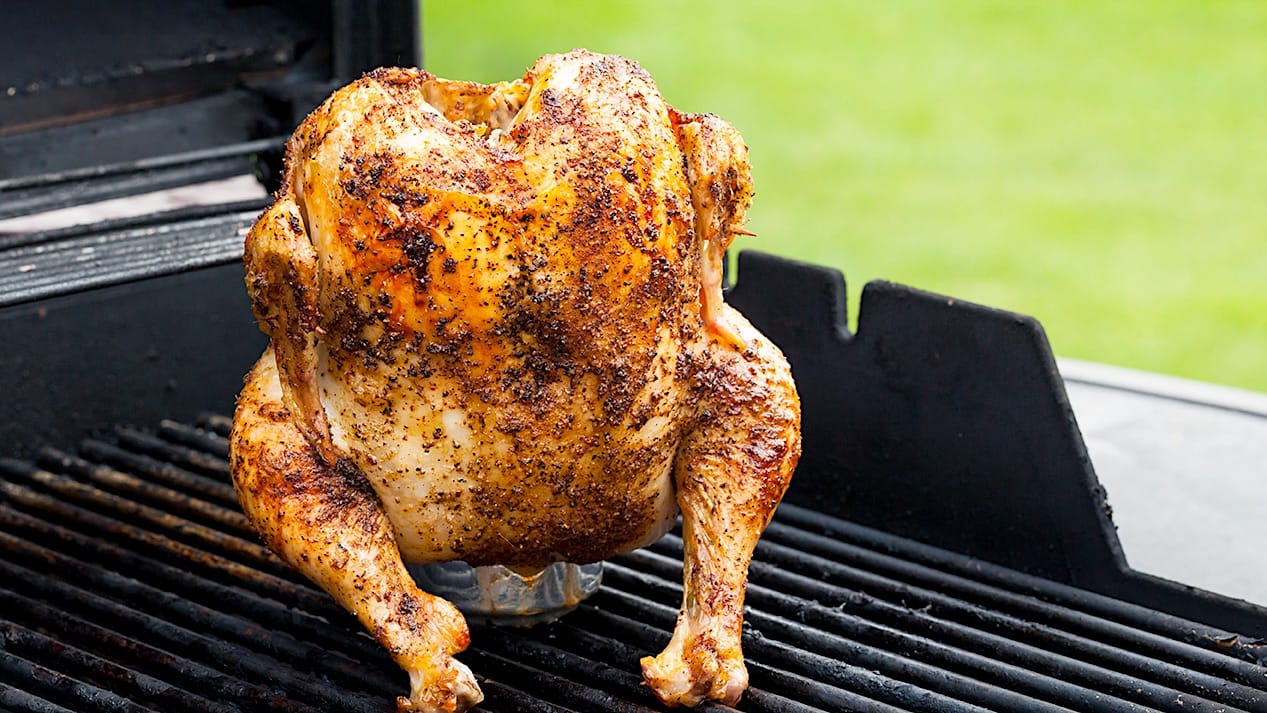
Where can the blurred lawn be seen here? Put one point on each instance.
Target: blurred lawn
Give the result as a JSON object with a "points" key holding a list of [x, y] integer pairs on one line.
{"points": [[1099, 165]]}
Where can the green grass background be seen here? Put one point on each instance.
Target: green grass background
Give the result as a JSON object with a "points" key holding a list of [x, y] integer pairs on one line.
{"points": [[1101, 166]]}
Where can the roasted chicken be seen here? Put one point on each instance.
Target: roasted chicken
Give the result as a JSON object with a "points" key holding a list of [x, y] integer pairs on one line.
{"points": [[498, 336]]}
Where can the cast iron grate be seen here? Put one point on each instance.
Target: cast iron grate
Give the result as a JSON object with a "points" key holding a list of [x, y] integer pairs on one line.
{"points": [[129, 581]]}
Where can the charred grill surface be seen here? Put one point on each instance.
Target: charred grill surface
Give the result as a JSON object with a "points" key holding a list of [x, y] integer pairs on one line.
{"points": [[129, 581]]}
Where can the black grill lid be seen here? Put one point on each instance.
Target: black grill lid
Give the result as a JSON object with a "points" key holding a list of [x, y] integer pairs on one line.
{"points": [[103, 99]]}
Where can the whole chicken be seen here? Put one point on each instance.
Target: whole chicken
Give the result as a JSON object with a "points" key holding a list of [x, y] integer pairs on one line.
{"points": [[498, 336]]}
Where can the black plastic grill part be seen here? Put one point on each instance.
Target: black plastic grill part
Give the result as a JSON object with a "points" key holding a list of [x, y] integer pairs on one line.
{"points": [[130, 581]]}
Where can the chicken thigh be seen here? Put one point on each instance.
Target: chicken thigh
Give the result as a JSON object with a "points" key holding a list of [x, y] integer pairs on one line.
{"points": [[498, 336]]}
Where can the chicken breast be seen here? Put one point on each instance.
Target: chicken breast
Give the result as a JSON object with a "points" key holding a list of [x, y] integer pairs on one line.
{"points": [[498, 336]]}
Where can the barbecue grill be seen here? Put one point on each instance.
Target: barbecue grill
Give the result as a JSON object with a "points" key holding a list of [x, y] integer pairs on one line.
{"points": [[945, 545]]}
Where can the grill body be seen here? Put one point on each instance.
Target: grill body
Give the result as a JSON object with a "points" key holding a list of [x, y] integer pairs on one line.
{"points": [[132, 582]]}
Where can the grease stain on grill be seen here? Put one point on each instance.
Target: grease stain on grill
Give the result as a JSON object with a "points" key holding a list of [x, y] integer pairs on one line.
{"points": [[129, 582]]}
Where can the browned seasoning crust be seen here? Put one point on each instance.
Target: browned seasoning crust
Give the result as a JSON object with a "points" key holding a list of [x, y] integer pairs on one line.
{"points": [[499, 336]]}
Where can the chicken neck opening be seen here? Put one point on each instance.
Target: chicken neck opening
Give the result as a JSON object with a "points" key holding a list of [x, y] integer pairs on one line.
{"points": [[488, 107]]}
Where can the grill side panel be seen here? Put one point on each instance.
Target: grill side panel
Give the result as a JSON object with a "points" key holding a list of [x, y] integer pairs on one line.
{"points": [[948, 423]]}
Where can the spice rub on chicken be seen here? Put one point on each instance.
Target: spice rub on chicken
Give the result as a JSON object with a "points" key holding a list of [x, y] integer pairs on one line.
{"points": [[498, 336]]}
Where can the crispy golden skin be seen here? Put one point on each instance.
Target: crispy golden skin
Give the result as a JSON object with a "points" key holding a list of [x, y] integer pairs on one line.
{"points": [[498, 336]]}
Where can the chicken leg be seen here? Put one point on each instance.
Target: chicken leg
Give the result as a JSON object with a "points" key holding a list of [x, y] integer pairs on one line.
{"points": [[327, 522], [730, 474]]}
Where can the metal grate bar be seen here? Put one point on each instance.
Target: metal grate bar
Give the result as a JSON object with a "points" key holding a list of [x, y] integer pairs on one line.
{"points": [[609, 665], [835, 621], [130, 486], [41, 649], [1045, 687], [875, 647], [162, 472], [16, 700], [624, 683], [835, 660], [192, 534], [907, 628], [197, 438], [1038, 647], [199, 461], [602, 615], [216, 423], [128, 650], [501, 697], [196, 617], [169, 550], [188, 584], [374, 657], [191, 437], [237, 660], [898, 580], [1128, 624], [558, 689], [89, 258], [794, 687], [63, 688]]}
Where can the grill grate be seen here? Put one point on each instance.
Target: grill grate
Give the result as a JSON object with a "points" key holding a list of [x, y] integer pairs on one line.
{"points": [[129, 581]]}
